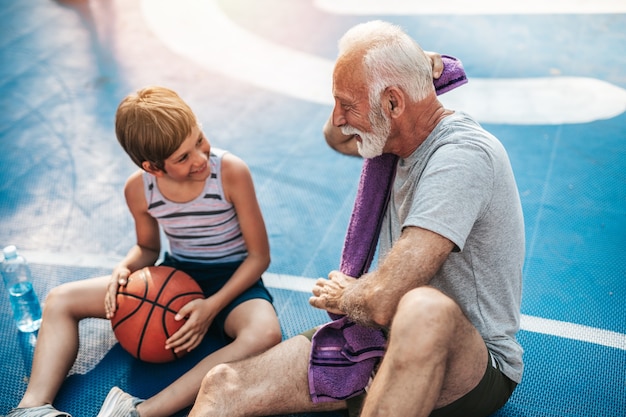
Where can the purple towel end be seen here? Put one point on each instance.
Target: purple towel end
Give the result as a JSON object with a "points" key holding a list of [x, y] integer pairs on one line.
{"points": [[453, 75]]}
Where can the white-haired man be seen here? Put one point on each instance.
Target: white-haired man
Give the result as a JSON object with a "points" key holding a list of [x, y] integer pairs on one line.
{"points": [[447, 288]]}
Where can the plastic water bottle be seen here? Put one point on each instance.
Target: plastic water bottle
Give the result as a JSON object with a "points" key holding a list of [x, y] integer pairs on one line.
{"points": [[18, 281]]}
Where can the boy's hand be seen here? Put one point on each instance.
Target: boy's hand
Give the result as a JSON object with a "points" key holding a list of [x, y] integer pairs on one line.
{"points": [[119, 276], [200, 314]]}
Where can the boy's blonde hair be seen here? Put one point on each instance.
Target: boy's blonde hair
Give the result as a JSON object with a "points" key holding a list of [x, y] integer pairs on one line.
{"points": [[152, 123]]}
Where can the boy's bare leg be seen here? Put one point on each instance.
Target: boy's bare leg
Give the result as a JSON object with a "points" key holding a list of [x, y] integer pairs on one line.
{"points": [[57, 340], [275, 382], [254, 327]]}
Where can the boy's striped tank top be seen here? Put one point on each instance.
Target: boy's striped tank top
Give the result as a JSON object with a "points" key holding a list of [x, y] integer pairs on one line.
{"points": [[203, 230]]}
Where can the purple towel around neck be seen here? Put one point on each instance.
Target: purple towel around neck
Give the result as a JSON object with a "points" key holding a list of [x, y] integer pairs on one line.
{"points": [[344, 354]]}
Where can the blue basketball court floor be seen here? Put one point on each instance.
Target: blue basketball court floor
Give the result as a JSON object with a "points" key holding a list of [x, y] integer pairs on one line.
{"points": [[548, 78]]}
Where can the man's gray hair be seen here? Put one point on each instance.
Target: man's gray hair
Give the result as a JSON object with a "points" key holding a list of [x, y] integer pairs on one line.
{"points": [[391, 58]]}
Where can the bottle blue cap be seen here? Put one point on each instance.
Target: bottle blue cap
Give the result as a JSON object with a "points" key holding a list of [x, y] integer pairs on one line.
{"points": [[9, 252]]}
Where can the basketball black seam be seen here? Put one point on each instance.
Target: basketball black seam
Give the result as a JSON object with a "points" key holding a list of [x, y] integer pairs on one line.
{"points": [[145, 325]]}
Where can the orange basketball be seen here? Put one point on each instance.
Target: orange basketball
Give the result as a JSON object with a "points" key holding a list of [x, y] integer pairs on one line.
{"points": [[146, 307]]}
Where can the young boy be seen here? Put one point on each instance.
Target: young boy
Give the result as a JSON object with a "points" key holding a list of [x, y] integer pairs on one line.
{"points": [[204, 200]]}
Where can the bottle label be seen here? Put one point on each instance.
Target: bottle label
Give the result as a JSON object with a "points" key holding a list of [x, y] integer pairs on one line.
{"points": [[25, 305]]}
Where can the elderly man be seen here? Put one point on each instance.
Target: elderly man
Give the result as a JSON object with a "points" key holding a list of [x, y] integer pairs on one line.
{"points": [[447, 288]]}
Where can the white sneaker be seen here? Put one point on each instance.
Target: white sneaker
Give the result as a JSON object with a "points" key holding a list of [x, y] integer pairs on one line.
{"points": [[41, 411], [119, 404]]}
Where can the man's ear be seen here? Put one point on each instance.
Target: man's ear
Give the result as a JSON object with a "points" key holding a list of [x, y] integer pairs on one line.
{"points": [[150, 168], [394, 99]]}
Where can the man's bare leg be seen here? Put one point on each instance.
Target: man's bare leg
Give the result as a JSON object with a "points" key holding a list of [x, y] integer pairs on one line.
{"points": [[275, 382], [435, 356]]}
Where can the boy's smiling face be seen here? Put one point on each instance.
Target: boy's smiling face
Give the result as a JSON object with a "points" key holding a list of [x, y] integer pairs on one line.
{"points": [[191, 160]]}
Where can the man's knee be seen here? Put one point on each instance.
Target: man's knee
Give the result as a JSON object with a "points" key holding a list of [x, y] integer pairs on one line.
{"points": [[428, 317], [422, 328], [221, 378], [426, 306]]}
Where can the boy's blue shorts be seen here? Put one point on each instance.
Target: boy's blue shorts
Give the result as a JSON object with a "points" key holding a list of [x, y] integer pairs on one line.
{"points": [[212, 277]]}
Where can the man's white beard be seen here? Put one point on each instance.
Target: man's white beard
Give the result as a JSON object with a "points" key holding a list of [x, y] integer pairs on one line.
{"points": [[373, 143]]}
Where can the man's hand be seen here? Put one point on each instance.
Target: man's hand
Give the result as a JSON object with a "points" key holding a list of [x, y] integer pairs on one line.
{"points": [[328, 293], [436, 62]]}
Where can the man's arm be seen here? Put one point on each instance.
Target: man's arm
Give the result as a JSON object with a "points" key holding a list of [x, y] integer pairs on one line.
{"points": [[345, 144], [372, 299]]}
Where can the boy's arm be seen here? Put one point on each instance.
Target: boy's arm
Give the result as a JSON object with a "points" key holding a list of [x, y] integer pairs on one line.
{"points": [[239, 190], [148, 246]]}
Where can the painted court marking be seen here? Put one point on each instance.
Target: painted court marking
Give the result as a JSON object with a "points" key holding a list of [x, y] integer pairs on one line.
{"points": [[185, 25], [303, 284], [463, 7]]}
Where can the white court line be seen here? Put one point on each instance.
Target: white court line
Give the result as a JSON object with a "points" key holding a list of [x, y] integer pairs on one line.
{"points": [[464, 7], [574, 331], [201, 32], [302, 284]]}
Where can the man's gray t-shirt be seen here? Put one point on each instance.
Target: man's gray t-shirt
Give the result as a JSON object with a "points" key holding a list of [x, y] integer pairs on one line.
{"points": [[460, 185]]}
